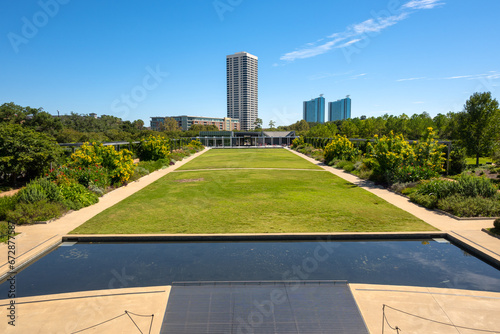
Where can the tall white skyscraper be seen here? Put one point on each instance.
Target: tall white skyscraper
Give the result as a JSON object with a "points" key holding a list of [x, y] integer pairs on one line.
{"points": [[242, 89]]}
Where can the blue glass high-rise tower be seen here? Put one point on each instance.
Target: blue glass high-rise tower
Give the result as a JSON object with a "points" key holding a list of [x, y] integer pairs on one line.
{"points": [[314, 110], [339, 110]]}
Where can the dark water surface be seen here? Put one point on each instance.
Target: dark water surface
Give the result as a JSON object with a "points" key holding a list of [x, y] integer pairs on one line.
{"points": [[94, 266]]}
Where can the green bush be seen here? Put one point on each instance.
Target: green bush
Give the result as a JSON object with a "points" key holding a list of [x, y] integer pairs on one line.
{"points": [[462, 206], [77, 196], [496, 224], [29, 213], [178, 155], [40, 189], [458, 160], [438, 188], [153, 148], [96, 189], [92, 174], [7, 203], [298, 141], [341, 148], [119, 164], [25, 152], [349, 167], [472, 186], [396, 160], [428, 201], [4, 231], [365, 174], [465, 185], [196, 144]]}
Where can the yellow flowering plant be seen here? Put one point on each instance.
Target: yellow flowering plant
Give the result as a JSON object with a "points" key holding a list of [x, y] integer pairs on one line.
{"points": [[341, 148], [119, 164], [154, 148]]}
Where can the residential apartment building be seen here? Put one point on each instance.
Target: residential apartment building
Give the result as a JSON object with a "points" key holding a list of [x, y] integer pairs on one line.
{"points": [[339, 110], [314, 110], [242, 89], [185, 122]]}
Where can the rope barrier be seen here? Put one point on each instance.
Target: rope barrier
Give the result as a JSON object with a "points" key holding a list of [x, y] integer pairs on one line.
{"points": [[121, 315], [430, 320]]}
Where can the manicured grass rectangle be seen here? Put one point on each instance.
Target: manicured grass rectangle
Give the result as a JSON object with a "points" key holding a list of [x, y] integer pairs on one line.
{"points": [[251, 201], [248, 158]]}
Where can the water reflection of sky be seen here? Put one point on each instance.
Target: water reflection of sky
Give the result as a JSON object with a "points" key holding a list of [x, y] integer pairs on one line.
{"points": [[103, 266]]}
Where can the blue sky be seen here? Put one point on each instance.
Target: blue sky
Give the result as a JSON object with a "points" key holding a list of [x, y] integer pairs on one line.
{"points": [[136, 60]]}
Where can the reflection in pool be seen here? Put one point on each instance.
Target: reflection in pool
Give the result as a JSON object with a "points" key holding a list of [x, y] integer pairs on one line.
{"points": [[94, 266]]}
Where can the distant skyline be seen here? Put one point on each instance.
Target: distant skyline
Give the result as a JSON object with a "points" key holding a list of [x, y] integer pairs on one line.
{"points": [[138, 60]]}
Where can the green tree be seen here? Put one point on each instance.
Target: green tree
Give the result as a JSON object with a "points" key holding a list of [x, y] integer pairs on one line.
{"points": [[138, 124], [349, 128], [272, 124], [258, 123], [42, 121], [479, 125], [170, 125], [327, 130], [25, 152]]}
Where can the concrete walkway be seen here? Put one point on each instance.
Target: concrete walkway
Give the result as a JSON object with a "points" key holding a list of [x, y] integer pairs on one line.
{"points": [[35, 239], [468, 231]]}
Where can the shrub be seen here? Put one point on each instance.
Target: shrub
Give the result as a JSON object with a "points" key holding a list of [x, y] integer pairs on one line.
{"points": [[178, 155], [95, 174], [77, 196], [395, 160], [496, 224], [388, 154], [428, 201], [7, 203], [365, 174], [4, 231], [458, 160], [438, 188], [470, 206], [119, 164], [298, 141], [430, 154], [472, 186], [96, 189], [399, 187], [349, 167], [153, 148], [40, 189], [25, 152], [341, 148], [29, 213], [411, 173], [196, 144]]}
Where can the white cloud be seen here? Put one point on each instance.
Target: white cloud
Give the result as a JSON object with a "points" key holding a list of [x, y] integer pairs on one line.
{"points": [[371, 25], [423, 4], [418, 102], [410, 79], [358, 75], [359, 32], [491, 75], [348, 43], [311, 52]]}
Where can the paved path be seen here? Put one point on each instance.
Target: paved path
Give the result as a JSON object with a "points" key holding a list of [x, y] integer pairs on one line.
{"points": [[468, 231], [34, 239]]}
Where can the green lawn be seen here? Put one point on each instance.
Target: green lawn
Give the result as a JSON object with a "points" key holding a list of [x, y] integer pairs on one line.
{"points": [[248, 158], [251, 201], [482, 161]]}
